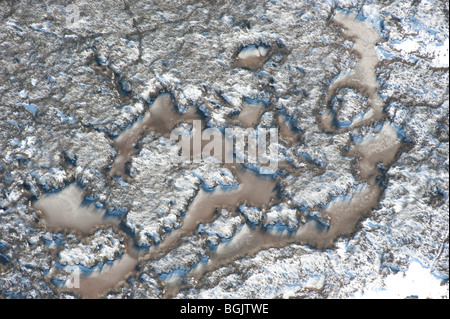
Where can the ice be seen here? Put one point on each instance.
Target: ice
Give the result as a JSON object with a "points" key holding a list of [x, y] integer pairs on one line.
{"points": [[262, 50], [252, 57], [249, 52], [32, 108]]}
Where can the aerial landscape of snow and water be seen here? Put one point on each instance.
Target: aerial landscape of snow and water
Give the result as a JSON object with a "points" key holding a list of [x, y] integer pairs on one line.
{"points": [[224, 149]]}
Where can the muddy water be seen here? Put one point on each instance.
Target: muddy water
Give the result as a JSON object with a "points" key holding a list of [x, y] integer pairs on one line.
{"points": [[161, 117], [109, 277], [362, 77], [65, 210], [365, 40], [342, 215], [252, 189], [381, 148], [286, 132], [236, 145], [250, 115], [345, 215]]}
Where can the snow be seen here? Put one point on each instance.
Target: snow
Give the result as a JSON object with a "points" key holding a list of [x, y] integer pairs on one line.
{"points": [[415, 281], [224, 227], [408, 45], [253, 52], [315, 282], [63, 107], [439, 52], [192, 93]]}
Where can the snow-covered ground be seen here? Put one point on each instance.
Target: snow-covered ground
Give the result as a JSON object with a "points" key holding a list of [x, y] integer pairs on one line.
{"points": [[415, 282], [357, 89]]}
